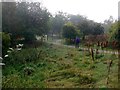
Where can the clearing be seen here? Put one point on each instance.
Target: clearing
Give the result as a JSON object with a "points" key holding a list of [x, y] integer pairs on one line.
{"points": [[57, 66]]}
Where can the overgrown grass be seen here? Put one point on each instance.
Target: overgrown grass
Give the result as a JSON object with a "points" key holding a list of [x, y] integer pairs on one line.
{"points": [[55, 66]]}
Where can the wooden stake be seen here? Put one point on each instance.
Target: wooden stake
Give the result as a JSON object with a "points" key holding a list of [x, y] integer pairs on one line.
{"points": [[92, 54], [109, 66]]}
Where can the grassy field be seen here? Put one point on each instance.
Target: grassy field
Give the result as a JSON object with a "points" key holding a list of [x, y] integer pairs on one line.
{"points": [[54, 66]]}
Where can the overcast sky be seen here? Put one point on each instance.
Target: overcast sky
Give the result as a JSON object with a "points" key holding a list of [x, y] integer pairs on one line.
{"points": [[97, 10]]}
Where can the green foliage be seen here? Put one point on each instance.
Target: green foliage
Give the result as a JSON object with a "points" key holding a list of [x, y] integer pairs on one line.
{"points": [[76, 19], [69, 31], [29, 55], [91, 28], [29, 35], [86, 79], [28, 19], [107, 24], [49, 68], [57, 22], [118, 33], [86, 26], [5, 42], [97, 29], [113, 31], [28, 70]]}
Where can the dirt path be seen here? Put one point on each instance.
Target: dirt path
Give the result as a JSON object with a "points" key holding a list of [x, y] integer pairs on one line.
{"points": [[58, 42]]}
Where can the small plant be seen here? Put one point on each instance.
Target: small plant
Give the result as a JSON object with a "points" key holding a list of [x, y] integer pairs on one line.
{"points": [[109, 67], [87, 53], [28, 70], [86, 62], [98, 56], [60, 58], [80, 50], [92, 67], [6, 41], [41, 64], [85, 79]]}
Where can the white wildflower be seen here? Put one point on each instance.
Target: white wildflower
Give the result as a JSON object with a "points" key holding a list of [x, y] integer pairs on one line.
{"points": [[11, 49], [6, 56], [1, 58], [18, 49], [21, 45], [2, 64], [17, 46]]}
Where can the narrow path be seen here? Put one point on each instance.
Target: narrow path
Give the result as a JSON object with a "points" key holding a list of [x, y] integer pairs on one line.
{"points": [[58, 42]]}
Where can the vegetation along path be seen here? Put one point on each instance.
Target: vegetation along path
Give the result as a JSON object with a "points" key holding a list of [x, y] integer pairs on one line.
{"points": [[58, 42], [57, 66]]}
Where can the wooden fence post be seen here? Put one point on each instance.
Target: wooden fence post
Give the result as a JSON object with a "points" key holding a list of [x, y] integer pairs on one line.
{"points": [[109, 66], [92, 54]]}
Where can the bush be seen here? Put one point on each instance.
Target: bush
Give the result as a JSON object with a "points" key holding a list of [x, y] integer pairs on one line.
{"points": [[5, 42], [29, 36], [28, 70], [86, 79], [69, 32]]}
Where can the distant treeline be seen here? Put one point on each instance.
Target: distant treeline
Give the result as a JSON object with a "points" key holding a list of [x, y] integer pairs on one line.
{"points": [[26, 20]]}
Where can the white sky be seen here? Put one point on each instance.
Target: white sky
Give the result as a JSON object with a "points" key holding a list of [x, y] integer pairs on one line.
{"points": [[97, 10]]}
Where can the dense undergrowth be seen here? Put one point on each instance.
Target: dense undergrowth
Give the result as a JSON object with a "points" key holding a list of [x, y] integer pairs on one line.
{"points": [[55, 66]]}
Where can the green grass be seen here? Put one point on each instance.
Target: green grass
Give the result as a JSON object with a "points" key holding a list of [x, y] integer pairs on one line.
{"points": [[55, 66]]}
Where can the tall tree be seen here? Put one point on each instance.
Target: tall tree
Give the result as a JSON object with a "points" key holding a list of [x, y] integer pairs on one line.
{"points": [[107, 24], [89, 27], [76, 19], [25, 19], [97, 29], [9, 18], [69, 31], [34, 18], [57, 23], [114, 31]]}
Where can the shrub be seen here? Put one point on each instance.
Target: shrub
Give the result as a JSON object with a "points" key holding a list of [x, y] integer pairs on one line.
{"points": [[28, 70], [69, 33], [85, 79], [5, 42]]}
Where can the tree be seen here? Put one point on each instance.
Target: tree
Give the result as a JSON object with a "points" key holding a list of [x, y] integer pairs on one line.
{"points": [[85, 28], [35, 19], [57, 23], [118, 36], [89, 27], [9, 18], [5, 42], [113, 31], [69, 31], [107, 24], [76, 19], [25, 19], [97, 29]]}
